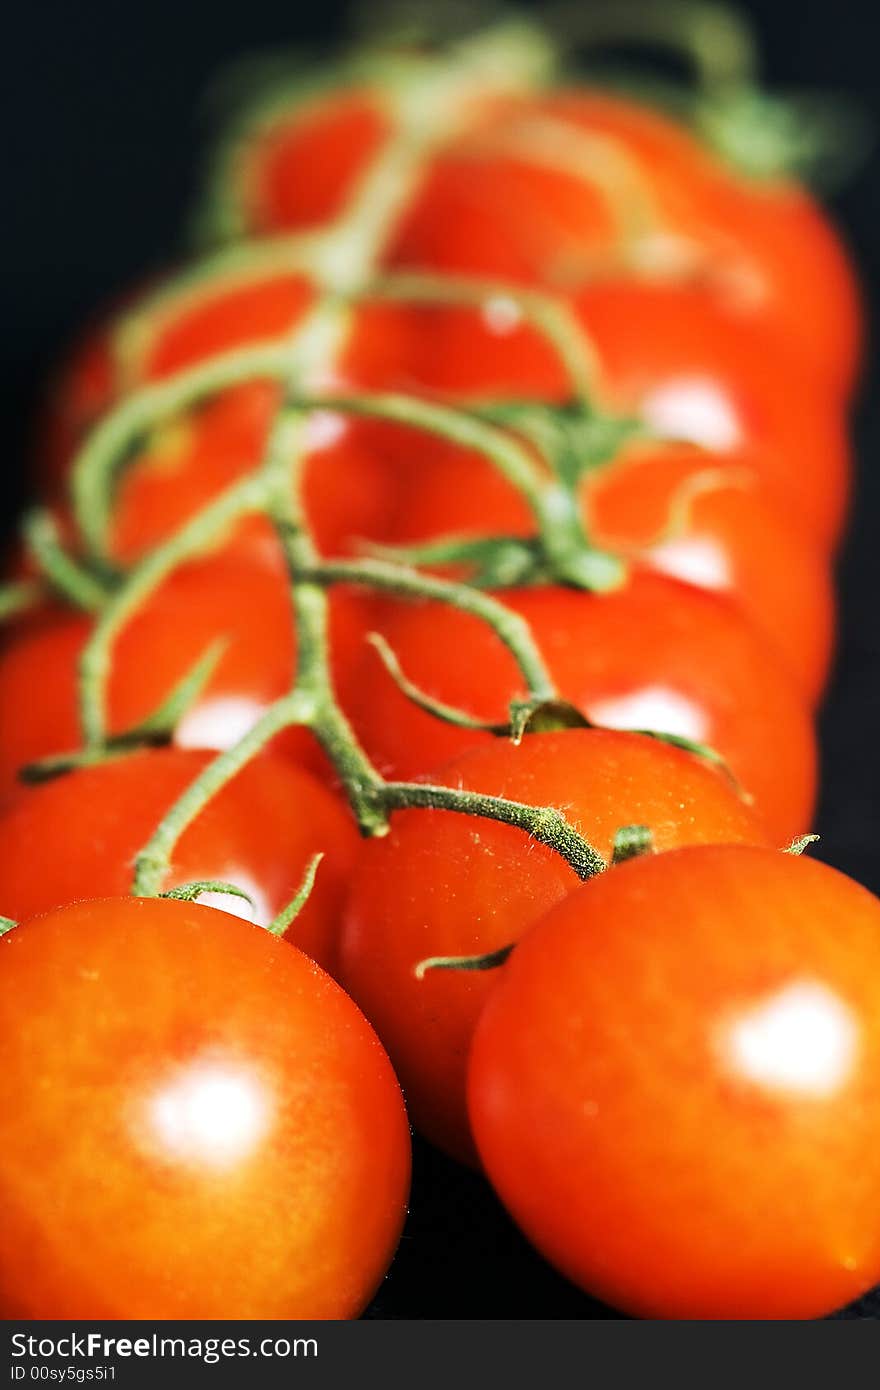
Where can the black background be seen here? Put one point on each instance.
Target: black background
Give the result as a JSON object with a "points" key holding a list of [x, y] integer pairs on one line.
{"points": [[101, 148]]}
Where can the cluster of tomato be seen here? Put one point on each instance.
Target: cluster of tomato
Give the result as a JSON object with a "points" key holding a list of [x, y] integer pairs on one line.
{"points": [[674, 1080]]}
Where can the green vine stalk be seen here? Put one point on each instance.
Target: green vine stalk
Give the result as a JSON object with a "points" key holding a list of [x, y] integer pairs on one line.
{"points": [[430, 102]]}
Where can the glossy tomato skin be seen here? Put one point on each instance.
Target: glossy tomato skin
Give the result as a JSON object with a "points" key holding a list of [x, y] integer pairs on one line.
{"points": [[638, 192], [78, 837], [244, 605], [692, 371], [442, 884], [646, 196], [674, 1088], [671, 356], [655, 654], [335, 137], [244, 1122], [351, 464], [681, 511], [348, 490]]}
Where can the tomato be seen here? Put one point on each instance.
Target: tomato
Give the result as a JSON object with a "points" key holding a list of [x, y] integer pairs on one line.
{"points": [[216, 1132], [245, 605], [681, 510], [334, 137], [182, 465], [443, 884], [179, 467], [543, 190], [655, 654], [648, 196], [674, 1087], [672, 357], [692, 372], [78, 837], [348, 486], [670, 354]]}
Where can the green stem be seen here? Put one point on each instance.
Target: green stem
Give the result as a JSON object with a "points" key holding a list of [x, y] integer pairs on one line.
{"points": [[714, 38], [545, 824], [248, 495], [20, 597], [63, 573], [510, 627], [278, 926], [554, 506], [191, 892], [312, 703], [427, 114], [153, 405], [551, 316], [154, 860]]}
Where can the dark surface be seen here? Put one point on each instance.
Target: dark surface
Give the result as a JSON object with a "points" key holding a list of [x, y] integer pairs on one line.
{"points": [[101, 150]]}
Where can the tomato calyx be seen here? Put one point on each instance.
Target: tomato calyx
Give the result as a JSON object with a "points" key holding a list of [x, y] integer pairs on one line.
{"points": [[573, 438], [537, 714], [630, 841], [800, 843], [813, 136]]}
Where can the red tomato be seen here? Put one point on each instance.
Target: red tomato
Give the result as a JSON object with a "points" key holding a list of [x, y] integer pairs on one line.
{"points": [[216, 1132], [246, 605], [656, 654], [449, 885], [334, 138], [182, 466], [78, 836], [729, 537], [625, 185], [693, 372], [647, 195], [348, 488], [674, 1087], [672, 356]]}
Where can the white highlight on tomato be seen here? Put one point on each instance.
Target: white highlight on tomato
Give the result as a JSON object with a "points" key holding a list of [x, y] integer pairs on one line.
{"points": [[694, 559], [693, 409], [323, 429], [260, 912], [209, 1112], [802, 1039], [218, 723], [655, 708], [502, 315]]}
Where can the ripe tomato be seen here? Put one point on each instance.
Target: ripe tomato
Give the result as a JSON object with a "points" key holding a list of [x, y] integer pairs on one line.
{"points": [[646, 195], [672, 357], [693, 372], [334, 137], [655, 654], [730, 536], [181, 466], [449, 885], [348, 486], [543, 189], [78, 836], [216, 1131], [245, 605], [674, 1087]]}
